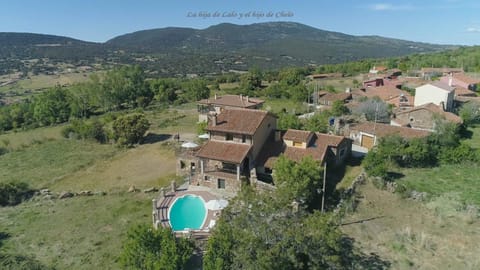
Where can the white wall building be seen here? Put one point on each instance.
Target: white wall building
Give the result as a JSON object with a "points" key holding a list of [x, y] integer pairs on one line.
{"points": [[437, 93]]}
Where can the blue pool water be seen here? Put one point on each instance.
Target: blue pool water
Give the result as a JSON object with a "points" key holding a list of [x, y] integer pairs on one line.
{"points": [[187, 212]]}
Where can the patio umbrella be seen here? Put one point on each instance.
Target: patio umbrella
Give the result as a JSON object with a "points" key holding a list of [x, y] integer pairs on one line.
{"points": [[216, 204], [204, 136], [189, 145]]}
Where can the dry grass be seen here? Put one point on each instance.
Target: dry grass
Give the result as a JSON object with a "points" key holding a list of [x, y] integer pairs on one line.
{"points": [[411, 235], [14, 140], [41, 81], [144, 166]]}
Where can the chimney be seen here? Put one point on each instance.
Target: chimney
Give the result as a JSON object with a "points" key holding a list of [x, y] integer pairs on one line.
{"points": [[241, 98], [213, 119], [348, 90], [450, 80], [247, 99], [215, 96]]}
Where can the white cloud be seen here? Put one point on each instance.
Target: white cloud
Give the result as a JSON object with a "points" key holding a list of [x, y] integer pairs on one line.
{"points": [[473, 29], [386, 6]]}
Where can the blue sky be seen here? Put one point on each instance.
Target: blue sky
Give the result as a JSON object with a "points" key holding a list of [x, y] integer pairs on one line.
{"points": [[434, 21]]}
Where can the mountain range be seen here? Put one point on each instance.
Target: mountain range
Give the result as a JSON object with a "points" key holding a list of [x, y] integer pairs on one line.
{"points": [[217, 48]]}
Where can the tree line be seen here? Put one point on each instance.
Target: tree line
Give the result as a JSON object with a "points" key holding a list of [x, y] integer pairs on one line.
{"points": [[121, 88]]}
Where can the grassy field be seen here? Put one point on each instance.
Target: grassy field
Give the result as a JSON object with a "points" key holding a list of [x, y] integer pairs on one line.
{"points": [[462, 179], [41, 81], [474, 141], [84, 232], [14, 140], [277, 105], [414, 235], [75, 233], [42, 164]]}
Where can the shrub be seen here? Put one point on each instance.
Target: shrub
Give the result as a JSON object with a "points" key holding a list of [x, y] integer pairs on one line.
{"points": [[459, 154], [14, 193], [3, 150], [20, 262], [130, 129], [85, 130]]}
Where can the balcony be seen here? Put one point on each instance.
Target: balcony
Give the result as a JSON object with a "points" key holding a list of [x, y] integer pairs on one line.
{"points": [[223, 172]]}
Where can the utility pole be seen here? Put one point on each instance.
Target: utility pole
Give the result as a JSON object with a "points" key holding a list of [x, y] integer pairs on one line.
{"points": [[324, 181]]}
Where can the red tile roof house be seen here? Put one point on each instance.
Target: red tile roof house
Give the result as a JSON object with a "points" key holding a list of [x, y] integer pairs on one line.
{"points": [[428, 73], [423, 117], [326, 98], [218, 103], [367, 134], [464, 85], [389, 94], [236, 138], [244, 142], [373, 82], [297, 144]]}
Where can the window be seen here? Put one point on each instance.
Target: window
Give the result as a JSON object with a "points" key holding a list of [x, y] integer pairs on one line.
{"points": [[244, 138], [206, 178], [297, 144], [221, 183], [229, 137]]}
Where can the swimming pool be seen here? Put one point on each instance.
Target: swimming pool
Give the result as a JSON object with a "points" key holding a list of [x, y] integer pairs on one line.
{"points": [[187, 212]]}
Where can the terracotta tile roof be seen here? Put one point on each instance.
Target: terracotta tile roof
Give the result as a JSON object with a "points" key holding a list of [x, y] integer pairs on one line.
{"points": [[464, 78], [224, 151], [334, 96], [436, 110], [442, 70], [317, 149], [232, 101], [239, 121], [461, 91], [386, 93], [383, 130], [297, 135]]}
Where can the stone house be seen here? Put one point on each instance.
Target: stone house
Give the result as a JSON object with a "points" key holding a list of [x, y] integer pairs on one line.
{"points": [[236, 138], [423, 117], [244, 144], [297, 144], [367, 134], [327, 99]]}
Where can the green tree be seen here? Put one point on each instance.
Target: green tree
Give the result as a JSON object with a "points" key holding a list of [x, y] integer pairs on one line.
{"points": [[318, 122], [252, 80], [125, 86], [297, 181], [258, 232], [195, 89], [130, 129], [291, 76], [165, 90], [339, 108], [288, 121], [373, 109], [149, 249], [52, 107], [83, 99], [470, 113]]}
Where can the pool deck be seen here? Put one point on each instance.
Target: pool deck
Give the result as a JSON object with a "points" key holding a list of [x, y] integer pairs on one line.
{"points": [[164, 205]]}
